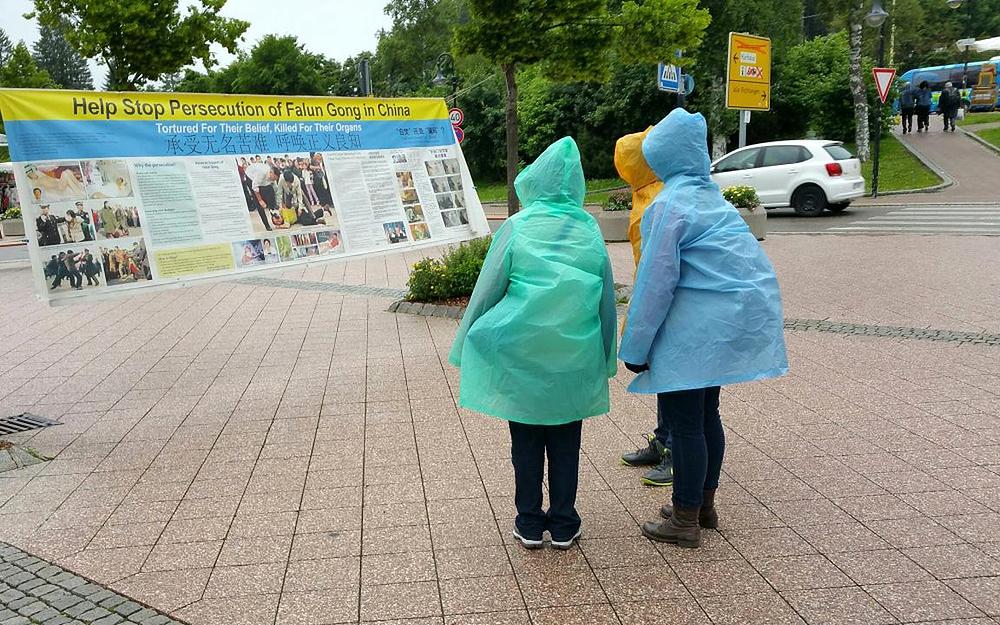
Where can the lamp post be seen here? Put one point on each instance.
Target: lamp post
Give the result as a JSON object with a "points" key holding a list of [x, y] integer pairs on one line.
{"points": [[955, 4], [876, 19], [447, 74]]}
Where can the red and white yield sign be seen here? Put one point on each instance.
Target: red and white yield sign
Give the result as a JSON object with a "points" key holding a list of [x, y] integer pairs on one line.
{"points": [[883, 80]]}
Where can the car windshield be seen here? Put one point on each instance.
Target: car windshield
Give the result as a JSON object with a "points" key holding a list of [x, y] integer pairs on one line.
{"points": [[740, 160], [838, 152]]}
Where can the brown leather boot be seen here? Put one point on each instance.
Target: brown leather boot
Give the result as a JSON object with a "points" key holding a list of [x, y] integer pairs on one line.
{"points": [[680, 529], [707, 518]]}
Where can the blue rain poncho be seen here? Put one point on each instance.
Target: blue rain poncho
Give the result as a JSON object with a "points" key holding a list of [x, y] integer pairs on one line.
{"points": [[537, 342], [706, 308]]}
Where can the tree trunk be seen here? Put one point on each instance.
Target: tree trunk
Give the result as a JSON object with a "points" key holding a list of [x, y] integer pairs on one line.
{"points": [[858, 91], [509, 72], [720, 139]]}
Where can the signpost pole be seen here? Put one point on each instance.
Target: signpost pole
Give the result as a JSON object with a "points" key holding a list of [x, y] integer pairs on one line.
{"points": [[744, 119], [878, 118]]}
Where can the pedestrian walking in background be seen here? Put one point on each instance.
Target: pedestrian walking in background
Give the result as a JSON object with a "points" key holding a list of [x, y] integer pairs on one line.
{"points": [[923, 106], [948, 104], [907, 102], [633, 169], [537, 343], [706, 311]]}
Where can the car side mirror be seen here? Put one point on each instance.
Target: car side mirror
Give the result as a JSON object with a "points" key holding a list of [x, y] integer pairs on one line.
{"points": [[712, 170]]}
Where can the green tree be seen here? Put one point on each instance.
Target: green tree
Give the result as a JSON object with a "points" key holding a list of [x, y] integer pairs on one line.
{"points": [[141, 40], [63, 63], [6, 48], [573, 39], [20, 70], [404, 60], [281, 66]]}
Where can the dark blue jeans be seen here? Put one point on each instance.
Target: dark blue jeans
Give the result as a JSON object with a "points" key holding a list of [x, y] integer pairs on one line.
{"points": [[698, 443], [529, 446], [662, 431]]}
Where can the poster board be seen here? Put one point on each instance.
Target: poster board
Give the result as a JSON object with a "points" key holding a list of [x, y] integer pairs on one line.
{"points": [[130, 191]]}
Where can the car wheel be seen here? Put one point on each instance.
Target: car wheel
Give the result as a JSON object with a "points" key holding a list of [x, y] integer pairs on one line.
{"points": [[809, 200], [838, 208]]}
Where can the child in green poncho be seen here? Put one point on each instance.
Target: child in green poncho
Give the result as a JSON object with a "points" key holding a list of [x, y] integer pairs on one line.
{"points": [[537, 343]]}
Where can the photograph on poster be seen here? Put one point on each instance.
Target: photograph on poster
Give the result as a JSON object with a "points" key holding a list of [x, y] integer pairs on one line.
{"points": [[72, 268], [405, 179], [61, 224], [446, 167], [453, 219], [414, 213], [58, 181], [248, 253], [286, 191], [330, 242], [116, 218], [284, 245], [395, 232], [420, 232], [107, 178], [443, 185], [125, 262], [445, 201]]}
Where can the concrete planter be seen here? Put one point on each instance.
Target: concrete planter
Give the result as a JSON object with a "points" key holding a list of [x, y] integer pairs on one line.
{"points": [[756, 219], [614, 224], [12, 227]]}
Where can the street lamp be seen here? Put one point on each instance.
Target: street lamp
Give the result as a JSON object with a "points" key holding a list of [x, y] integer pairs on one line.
{"points": [[447, 74], [954, 4], [876, 19]]}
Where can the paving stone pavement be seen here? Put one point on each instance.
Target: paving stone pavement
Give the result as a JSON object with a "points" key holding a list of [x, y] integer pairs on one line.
{"points": [[251, 453], [35, 592]]}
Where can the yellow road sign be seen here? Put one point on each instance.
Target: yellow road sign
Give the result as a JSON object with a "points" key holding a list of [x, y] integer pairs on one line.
{"points": [[748, 73]]}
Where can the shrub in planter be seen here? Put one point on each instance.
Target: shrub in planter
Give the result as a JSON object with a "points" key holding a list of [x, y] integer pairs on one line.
{"points": [[618, 201], [14, 212], [742, 196], [452, 276], [745, 199]]}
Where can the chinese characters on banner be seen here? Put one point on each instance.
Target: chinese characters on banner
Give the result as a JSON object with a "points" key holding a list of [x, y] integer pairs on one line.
{"points": [[134, 190]]}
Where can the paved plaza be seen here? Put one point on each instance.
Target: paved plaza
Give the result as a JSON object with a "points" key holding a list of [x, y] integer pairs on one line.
{"points": [[284, 451]]}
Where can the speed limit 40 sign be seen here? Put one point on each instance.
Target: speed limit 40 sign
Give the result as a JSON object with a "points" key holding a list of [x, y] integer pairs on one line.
{"points": [[456, 116]]}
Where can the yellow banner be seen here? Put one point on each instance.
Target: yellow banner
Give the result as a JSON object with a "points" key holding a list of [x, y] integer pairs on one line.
{"points": [[748, 73], [194, 261], [38, 104]]}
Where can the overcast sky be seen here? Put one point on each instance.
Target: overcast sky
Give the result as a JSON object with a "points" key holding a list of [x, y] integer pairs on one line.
{"points": [[336, 28]]}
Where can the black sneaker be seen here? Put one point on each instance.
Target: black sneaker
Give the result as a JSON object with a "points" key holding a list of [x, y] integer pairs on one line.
{"points": [[660, 475], [647, 456]]}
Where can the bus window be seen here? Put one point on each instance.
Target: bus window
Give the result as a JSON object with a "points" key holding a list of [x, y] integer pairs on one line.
{"points": [[971, 78], [935, 79]]}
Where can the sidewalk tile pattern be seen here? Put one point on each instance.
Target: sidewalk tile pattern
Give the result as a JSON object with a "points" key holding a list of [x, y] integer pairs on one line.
{"points": [[240, 453]]}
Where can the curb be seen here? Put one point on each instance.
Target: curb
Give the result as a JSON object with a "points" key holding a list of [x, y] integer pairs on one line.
{"points": [[983, 142], [426, 310]]}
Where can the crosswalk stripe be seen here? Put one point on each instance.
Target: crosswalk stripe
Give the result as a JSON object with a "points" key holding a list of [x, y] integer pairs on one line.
{"points": [[935, 220], [916, 229]]}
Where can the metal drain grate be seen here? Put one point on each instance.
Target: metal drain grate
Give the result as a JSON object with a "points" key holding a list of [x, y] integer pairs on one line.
{"points": [[24, 422]]}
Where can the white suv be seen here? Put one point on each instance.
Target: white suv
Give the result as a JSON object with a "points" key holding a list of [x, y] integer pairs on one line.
{"points": [[809, 176]]}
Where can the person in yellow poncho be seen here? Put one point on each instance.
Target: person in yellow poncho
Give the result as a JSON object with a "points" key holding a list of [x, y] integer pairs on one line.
{"points": [[633, 169]]}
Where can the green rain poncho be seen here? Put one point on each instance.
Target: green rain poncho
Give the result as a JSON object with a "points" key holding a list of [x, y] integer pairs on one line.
{"points": [[537, 343]]}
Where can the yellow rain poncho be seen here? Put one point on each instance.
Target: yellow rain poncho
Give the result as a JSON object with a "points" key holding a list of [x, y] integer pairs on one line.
{"points": [[633, 169], [537, 343]]}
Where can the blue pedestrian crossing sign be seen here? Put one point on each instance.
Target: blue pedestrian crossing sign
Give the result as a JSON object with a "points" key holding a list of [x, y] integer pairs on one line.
{"points": [[668, 77]]}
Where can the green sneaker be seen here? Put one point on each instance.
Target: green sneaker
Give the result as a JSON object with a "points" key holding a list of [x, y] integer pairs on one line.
{"points": [[650, 455], [660, 475]]}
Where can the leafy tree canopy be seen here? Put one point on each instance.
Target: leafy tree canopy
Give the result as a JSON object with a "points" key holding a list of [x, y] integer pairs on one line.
{"points": [[141, 40]]}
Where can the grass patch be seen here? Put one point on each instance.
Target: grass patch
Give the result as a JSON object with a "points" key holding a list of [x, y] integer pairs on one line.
{"points": [[990, 135], [598, 190], [979, 118], [899, 170]]}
